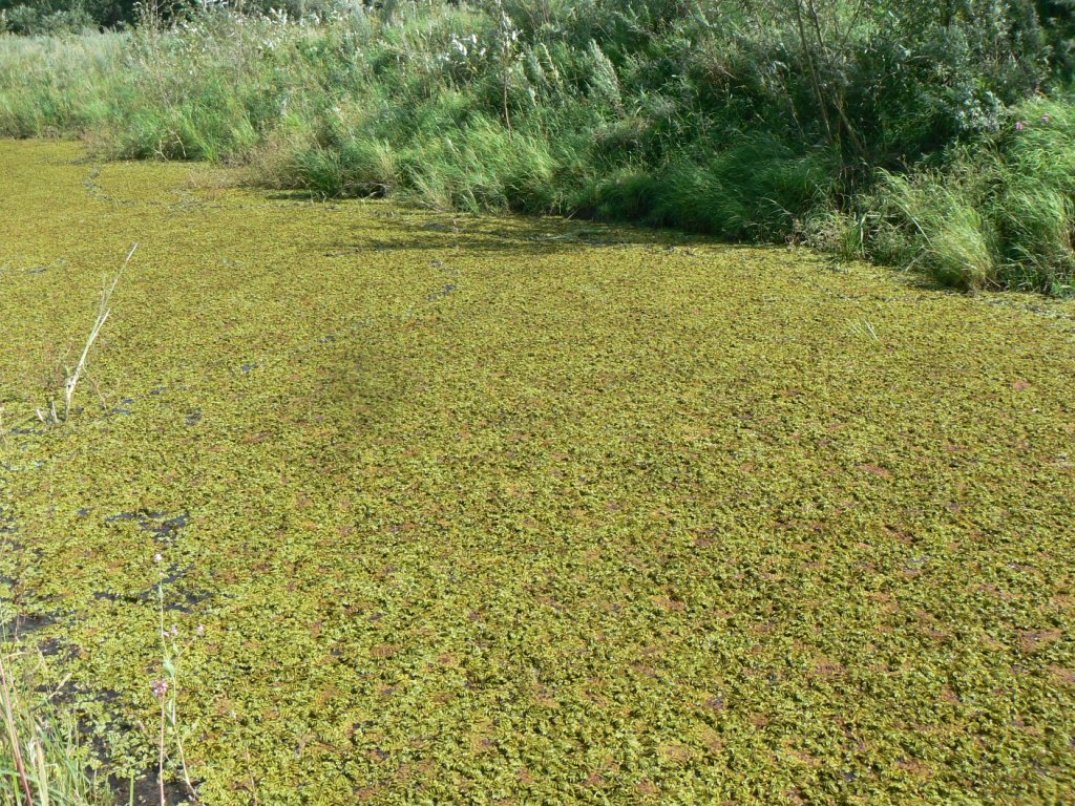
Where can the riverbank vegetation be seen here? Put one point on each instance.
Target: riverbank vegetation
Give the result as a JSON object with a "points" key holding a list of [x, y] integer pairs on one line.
{"points": [[931, 136]]}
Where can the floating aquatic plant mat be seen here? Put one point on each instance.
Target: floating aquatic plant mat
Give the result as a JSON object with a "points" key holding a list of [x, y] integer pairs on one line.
{"points": [[471, 510]]}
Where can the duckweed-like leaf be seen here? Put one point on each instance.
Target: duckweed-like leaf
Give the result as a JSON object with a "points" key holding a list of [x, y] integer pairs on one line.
{"points": [[501, 510]]}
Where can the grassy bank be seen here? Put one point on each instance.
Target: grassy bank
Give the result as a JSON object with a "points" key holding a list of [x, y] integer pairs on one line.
{"points": [[912, 138]]}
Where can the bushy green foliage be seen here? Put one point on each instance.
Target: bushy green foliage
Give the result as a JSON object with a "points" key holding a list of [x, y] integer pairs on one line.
{"points": [[35, 17], [747, 120], [1000, 215], [60, 16], [753, 191], [1059, 19]]}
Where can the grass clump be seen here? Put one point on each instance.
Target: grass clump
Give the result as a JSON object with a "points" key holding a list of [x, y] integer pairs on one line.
{"points": [[759, 191], [41, 758], [60, 85], [998, 216], [928, 221]]}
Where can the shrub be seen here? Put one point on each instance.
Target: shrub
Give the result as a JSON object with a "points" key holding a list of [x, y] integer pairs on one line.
{"points": [[999, 215]]}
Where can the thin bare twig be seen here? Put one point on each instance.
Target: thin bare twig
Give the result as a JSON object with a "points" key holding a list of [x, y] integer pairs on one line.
{"points": [[103, 312]]}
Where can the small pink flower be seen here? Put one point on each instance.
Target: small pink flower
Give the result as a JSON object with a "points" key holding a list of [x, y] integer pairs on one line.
{"points": [[160, 688], [175, 631], [1019, 125]]}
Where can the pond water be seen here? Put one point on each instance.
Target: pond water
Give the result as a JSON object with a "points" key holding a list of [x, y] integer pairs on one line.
{"points": [[457, 509]]}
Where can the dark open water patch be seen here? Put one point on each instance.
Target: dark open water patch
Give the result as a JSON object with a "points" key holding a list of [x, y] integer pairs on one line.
{"points": [[165, 528], [26, 623], [145, 790]]}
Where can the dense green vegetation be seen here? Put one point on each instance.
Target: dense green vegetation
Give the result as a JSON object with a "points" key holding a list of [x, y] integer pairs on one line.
{"points": [[429, 507], [354, 502], [933, 135], [41, 757]]}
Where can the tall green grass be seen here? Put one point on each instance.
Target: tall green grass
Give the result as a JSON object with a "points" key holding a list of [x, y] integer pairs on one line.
{"points": [[41, 759], [1000, 215], [705, 118], [51, 86]]}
